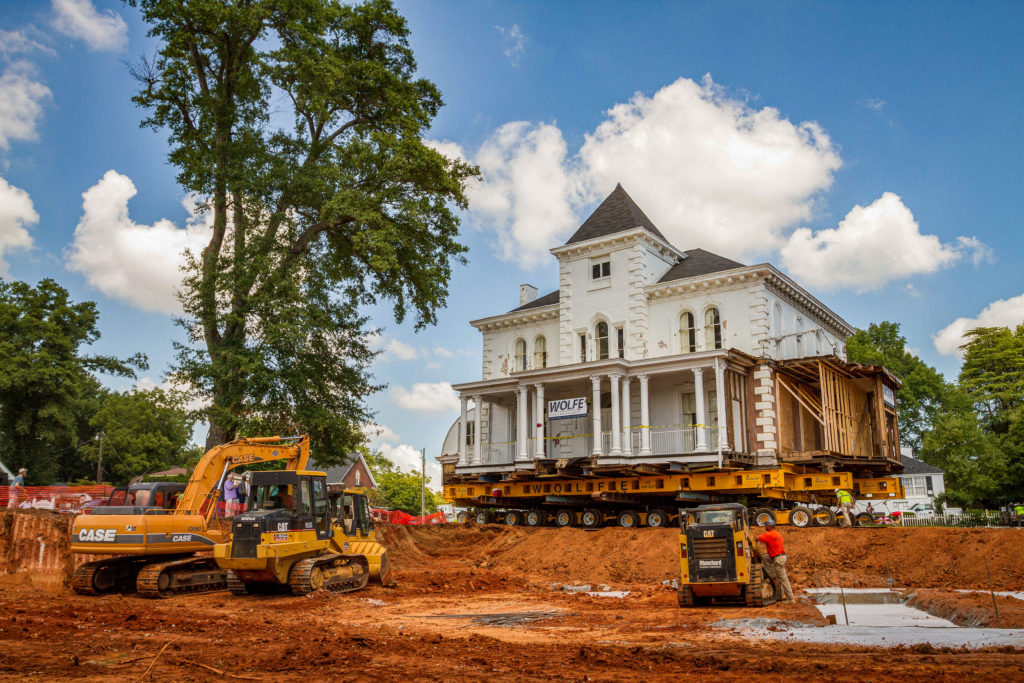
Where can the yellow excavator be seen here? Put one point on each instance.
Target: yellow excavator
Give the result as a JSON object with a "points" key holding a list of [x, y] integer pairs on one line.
{"points": [[153, 546], [298, 534]]}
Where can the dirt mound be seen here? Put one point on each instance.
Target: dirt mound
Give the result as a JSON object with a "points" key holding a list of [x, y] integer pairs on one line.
{"points": [[971, 609], [915, 557]]}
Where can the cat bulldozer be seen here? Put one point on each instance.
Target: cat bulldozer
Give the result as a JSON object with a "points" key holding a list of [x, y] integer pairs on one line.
{"points": [[719, 558], [158, 541], [298, 534]]}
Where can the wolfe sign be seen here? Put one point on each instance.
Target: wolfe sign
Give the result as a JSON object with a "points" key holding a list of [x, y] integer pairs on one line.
{"points": [[566, 408]]}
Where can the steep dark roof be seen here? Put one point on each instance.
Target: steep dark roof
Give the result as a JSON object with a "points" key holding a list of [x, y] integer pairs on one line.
{"points": [[546, 300], [617, 213], [699, 262], [913, 466]]}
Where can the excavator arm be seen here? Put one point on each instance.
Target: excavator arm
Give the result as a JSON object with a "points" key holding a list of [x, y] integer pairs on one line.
{"points": [[203, 490]]}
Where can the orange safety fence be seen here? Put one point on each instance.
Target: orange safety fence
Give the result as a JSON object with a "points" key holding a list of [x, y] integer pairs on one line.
{"points": [[399, 517], [67, 499]]}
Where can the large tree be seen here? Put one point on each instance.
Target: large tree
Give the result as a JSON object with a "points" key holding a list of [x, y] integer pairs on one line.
{"points": [[925, 391], [45, 378], [302, 122]]}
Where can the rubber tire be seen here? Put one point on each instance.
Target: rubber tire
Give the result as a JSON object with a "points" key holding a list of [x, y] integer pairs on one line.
{"points": [[513, 518], [660, 519], [761, 516], [462, 517], [824, 517], [628, 519], [591, 519], [482, 517], [534, 518], [801, 517], [564, 518], [864, 519]]}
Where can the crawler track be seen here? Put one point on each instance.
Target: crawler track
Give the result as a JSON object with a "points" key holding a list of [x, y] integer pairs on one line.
{"points": [[189, 575], [336, 573]]}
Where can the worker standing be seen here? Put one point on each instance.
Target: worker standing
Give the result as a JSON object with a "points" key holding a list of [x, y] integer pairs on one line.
{"points": [[15, 490], [846, 505], [776, 562]]}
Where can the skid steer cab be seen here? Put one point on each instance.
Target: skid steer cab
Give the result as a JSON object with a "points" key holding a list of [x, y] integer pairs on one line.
{"points": [[718, 560], [297, 535]]}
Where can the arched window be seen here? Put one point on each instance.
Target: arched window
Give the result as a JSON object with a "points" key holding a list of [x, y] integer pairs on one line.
{"points": [[799, 337], [520, 354], [712, 329], [819, 344], [687, 333], [601, 335], [540, 353]]}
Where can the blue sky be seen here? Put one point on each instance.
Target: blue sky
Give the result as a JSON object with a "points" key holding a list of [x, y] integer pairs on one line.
{"points": [[871, 150]]}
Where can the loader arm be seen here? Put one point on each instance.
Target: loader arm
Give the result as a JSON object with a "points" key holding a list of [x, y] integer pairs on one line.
{"points": [[203, 490]]}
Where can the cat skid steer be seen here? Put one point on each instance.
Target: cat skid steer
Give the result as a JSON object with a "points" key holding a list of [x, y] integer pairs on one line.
{"points": [[718, 559]]}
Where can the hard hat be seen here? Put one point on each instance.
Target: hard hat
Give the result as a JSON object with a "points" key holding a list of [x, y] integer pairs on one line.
{"points": [[769, 523]]}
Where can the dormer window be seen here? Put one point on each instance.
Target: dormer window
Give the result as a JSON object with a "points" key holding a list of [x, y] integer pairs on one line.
{"points": [[601, 269]]}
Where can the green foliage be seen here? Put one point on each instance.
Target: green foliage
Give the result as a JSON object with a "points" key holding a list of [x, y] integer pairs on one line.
{"points": [[46, 385], [343, 207], [398, 490], [924, 391], [145, 431]]}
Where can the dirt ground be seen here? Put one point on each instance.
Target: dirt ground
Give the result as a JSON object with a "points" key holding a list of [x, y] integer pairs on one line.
{"points": [[418, 630]]}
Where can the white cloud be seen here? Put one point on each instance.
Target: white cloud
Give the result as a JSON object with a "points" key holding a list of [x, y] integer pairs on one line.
{"points": [[707, 169], [514, 43], [21, 103], [871, 246], [874, 103], [16, 214], [15, 42], [172, 385], [377, 434], [401, 351], [979, 251], [139, 264], [426, 397], [443, 352], [100, 30], [1001, 313]]}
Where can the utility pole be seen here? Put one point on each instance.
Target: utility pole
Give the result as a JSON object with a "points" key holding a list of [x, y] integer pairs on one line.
{"points": [[423, 481], [99, 463]]}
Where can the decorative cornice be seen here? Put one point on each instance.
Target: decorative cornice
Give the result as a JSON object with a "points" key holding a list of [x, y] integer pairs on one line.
{"points": [[516, 318], [738, 277], [619, 239]]}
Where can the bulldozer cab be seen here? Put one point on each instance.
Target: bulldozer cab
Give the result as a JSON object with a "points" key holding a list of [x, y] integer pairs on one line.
{"points": [[289, 500], [351, 510]]}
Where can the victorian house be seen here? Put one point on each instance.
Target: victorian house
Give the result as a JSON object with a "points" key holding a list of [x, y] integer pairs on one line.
{"points": [[651, 358]]}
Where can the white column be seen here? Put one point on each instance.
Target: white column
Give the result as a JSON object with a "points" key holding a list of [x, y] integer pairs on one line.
{"points": [[478, 409], [645, 417], [523, 430], [720, 391], [538, 409], [596, 406], [463, 424], [698, 390], [627, 437], [616, 425]]}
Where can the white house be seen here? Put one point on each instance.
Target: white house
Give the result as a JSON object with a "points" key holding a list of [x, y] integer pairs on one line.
{"points": [[647, 356]]}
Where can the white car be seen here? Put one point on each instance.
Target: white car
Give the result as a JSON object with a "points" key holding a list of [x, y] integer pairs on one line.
{"points": [[921, 510]]}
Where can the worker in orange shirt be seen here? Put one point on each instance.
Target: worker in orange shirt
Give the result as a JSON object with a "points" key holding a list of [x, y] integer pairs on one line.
{"points": [[775, 563]]}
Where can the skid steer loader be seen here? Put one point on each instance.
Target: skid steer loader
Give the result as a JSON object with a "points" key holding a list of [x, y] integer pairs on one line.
{"points": [[719, 560], [298, 536]]}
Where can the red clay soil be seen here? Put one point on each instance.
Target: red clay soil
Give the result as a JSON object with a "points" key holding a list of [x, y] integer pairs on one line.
{"points": [[971, 609], [415, 630]]}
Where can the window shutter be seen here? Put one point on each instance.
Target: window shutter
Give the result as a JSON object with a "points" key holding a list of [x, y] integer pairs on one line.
{"points": [[928, 485]]}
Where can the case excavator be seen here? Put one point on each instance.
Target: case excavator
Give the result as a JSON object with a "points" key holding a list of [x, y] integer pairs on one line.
{"points": [[298, 534], [157, 547]]}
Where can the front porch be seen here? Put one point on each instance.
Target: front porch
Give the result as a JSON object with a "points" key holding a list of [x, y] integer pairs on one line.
{"points": [[689, 410]]}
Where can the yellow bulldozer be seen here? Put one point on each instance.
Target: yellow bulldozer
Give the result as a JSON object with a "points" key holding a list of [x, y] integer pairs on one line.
{"points": [[298, 534], [159, 543]]}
